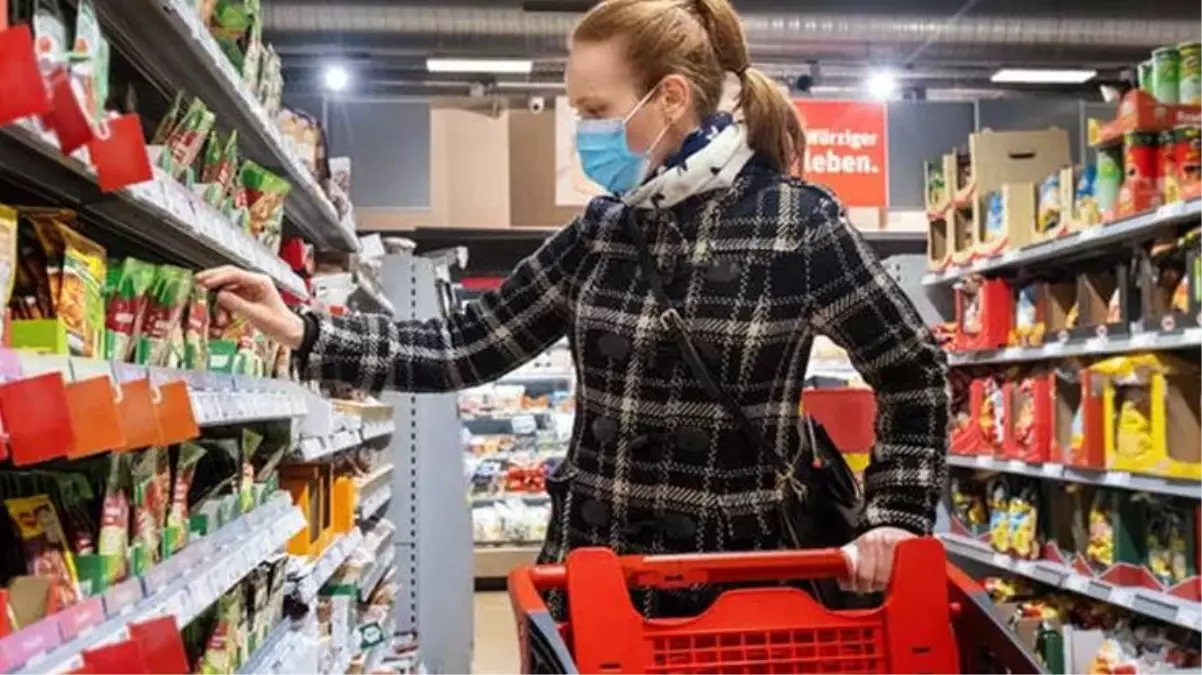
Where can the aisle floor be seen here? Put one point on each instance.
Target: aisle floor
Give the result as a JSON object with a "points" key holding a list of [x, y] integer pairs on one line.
{"points": [[496, 639]]}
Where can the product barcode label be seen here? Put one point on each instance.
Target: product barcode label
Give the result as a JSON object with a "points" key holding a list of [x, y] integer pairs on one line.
{"points": [[1122, 597], [1116, 478], [1076, 583]]}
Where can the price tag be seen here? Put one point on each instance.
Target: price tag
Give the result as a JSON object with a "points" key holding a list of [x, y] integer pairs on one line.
{"points": [[1051, 469], [1025, 567], [1001, 560], [1122, 597], [1191, 618], [1171, 210], [1076, 582], [1145, 338], [147, 192], [1016, 465], [984, 460], [1053, 348], [1090, 233], [1097, 344], [1117, 478]]}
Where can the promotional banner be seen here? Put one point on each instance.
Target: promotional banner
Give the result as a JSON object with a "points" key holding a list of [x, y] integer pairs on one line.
{"points": [[572, 187], [846, 149]]}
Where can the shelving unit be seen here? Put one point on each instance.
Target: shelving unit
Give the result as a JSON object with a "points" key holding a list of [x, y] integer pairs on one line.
{"points": [[149, 29], [1054, 340]]}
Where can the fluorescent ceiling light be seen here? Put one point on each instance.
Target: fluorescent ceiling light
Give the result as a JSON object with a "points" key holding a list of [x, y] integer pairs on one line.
{"points": [[1043, 76], [516, 66], [882, 85], [336, 78]]}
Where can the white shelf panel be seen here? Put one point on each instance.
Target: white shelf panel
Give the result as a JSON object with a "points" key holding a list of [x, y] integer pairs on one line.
{"points": [[1098, 346], [1142, 601]]}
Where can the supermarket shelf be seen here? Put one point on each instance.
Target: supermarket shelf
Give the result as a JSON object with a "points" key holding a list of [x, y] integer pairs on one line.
{"points": [[314, 448], [1176, 487], [311, 576], [532, 498], [1098, 346], [270, 652], [1135, 228], [369, 287], [376, 498], [378, 572], [165, 40], [495, 563], [201, 236], [182, 586], [1141, 601]]}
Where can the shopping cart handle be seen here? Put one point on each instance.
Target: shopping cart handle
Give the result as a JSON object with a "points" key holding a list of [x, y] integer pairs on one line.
{"points": [[676, 571]]}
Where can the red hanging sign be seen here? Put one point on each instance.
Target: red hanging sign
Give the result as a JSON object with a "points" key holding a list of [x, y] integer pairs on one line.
{"points": [[846, 149]]}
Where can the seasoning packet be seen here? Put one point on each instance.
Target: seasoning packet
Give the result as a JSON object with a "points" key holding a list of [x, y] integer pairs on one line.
{"points": [[132, 279], [251, 440], [81, 299], [167, 124], [8, 254], [196, 329], [45, 546], [266, 193], [90, 62], [146, 496], [184, 143], [114, 515], [188, 456], [168, 298]]}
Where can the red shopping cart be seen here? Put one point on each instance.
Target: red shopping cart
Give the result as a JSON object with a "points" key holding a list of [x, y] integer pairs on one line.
{"points": [[930, 621]]}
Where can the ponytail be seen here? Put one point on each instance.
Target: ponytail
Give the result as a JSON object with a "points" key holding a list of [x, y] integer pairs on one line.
{"points": [[702, 40], [773, 128]]}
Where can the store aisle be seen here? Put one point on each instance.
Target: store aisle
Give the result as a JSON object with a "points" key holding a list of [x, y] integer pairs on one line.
{"points": [[496, 638]]}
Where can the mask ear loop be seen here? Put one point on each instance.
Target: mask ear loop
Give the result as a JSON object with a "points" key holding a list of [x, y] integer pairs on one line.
{"points": [[647, 169]]}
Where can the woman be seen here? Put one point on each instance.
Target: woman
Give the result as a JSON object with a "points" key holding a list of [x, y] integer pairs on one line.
{"points": [[755, 262]]}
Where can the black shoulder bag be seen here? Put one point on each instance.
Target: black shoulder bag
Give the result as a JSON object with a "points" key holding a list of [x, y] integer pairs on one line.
{"points": [[820, 497]]}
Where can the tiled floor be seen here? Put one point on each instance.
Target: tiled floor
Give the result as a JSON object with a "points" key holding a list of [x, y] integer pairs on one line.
{"points": [[496, 640]]}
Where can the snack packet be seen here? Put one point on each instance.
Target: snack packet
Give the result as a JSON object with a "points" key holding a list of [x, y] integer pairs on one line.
{"points": [[81, 301], [246, 484], [167, 124], [196, 329], [127, 307], [265, 196], [8, 254], [89, 63], [184, 143], [114, 515], [168, 298], [185, 469], [45, 546], [147, 503]]}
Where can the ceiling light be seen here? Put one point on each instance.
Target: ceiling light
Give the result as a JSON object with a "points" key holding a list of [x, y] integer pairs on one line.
{"points": [[882, 85], [508, 66], [1043, 76], [336, 78]]}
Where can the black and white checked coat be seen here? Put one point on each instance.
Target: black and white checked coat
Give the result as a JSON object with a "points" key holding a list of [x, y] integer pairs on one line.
{"points": [[655, 465]]}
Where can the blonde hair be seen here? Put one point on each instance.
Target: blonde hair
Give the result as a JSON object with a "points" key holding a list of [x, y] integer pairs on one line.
{"points": [[701, 40]]}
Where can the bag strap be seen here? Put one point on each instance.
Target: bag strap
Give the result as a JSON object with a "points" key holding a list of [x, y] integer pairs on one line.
{"points": [[670, 320]]}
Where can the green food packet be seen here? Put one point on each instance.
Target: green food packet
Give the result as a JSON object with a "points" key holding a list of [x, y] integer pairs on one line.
{"points": [[184, 142], [251, 440], [169, 120], [126, 307], [177, 516]]}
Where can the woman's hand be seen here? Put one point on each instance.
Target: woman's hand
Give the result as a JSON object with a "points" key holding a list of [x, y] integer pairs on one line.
{"points": [[871, 558], [254, 296]]}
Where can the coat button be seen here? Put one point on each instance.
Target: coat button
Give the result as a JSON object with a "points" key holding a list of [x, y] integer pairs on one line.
{"points": [[677, 526], [595, 513], [604, 429], [648, 446], [722, 270], [613, 347], [691, 439]]}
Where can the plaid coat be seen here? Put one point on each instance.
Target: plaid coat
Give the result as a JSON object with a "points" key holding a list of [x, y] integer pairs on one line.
{"points": [[655, 465]]}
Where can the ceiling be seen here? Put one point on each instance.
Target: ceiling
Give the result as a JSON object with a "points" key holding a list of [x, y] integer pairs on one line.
{"points": [[944, 48]]}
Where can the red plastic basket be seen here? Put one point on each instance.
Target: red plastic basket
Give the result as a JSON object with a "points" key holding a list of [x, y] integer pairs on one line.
{"points": [[768, 629]]}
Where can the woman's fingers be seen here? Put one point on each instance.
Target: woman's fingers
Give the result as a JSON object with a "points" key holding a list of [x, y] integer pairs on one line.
{"points": [[873, 558]]}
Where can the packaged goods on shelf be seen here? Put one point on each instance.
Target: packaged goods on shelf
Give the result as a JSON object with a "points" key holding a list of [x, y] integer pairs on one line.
{"points": [[510, 521]]}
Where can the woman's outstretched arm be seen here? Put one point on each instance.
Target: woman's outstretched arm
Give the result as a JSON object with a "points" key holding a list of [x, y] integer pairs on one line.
{"points": [[487, 339]]}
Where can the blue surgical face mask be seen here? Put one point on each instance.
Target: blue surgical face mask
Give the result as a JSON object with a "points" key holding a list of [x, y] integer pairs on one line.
{"points": [[605, 154]]}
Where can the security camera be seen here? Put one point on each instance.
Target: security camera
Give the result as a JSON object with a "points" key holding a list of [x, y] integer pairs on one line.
{"points": [[536, 104]]}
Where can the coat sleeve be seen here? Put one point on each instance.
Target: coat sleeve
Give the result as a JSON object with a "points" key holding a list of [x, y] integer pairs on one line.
{"points": [[488, 338], [855, 303]]}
